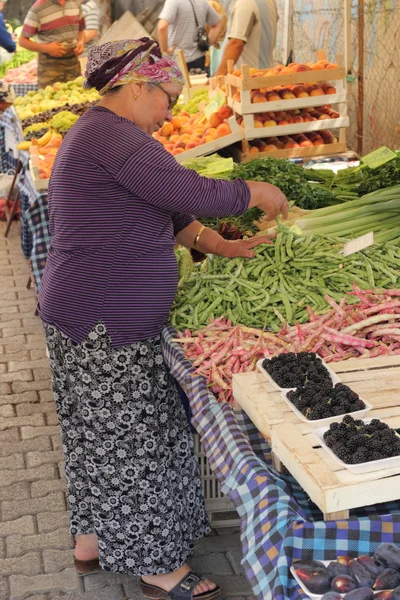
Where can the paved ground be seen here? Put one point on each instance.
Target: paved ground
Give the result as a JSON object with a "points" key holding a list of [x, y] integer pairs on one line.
{"points": [[35, 546]]}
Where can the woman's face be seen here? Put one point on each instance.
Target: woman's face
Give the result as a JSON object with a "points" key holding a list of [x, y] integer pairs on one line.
{"points": [[153, 106]]}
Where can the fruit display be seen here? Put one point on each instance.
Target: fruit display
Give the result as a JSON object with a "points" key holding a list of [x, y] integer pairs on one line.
{"points": [[288, 92], [292, 117], [45, 116], [297, 140], [189, 131], [192, 106], [355, 442], [60, 94], [293, 67], [322, 401], [347, 578], [43, 152], [292, 370]]}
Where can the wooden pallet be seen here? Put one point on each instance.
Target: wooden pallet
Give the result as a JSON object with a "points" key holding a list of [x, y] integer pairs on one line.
{"points": [[333, 489]]}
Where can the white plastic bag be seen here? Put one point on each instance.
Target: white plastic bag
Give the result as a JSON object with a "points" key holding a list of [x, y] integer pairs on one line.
{"points": [[5, 184]]}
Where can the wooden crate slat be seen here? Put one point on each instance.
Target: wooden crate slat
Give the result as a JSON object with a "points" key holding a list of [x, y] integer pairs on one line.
{"points": [[323, 150], [243, 107], [253, 83], [294, 128], [358, 364]]}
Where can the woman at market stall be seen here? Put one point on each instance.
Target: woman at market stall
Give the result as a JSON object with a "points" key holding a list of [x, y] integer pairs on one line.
{"points": [[118, 203]]}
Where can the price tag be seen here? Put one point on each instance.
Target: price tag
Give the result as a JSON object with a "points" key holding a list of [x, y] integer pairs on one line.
{"points": [[218, 100], [378, 157], [360, 243]]}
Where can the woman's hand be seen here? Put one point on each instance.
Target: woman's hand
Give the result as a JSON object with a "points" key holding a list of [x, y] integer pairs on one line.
{"points": [[268, 198], [241, 248]]}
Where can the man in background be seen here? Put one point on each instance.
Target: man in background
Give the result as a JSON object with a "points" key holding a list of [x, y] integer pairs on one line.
{"points": [[251, 33], [6, 40], [177, 28], [91, 15], [59, 29]]}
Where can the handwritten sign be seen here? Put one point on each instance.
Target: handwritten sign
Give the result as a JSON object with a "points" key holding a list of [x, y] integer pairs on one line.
{"points": [[360, 243], [378, 157]]}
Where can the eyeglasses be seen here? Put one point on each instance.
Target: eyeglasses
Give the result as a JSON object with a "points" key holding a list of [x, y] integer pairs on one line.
{"points": [[171, 101]]}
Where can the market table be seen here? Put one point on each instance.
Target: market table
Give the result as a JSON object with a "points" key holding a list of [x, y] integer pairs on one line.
{"points": [[279, 522], [333, 488]]}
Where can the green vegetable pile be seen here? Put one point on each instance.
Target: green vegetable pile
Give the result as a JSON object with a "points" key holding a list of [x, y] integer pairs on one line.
{"points": [[20, 58], [281, 281], [290, 178]]}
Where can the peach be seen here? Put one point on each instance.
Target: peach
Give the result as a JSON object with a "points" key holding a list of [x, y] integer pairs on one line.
{"points": [[317, 92], [180, 145], [291, 145], [280, 145], [192, 145], [209, 138], [258, 124], [331, 66], [258, 98], [167, 129], [236, 97], [225, 111], [288, 95], [330, 90], [174, 138], [270, 123], [273, 97], [253, 150], [323, 117], [215, 119], [176, 122], [334, 114], [284, 122], [270, 147], [300, 68], [210, 130], [306, 144], [177, 151], [222, 130], [318, 142]]}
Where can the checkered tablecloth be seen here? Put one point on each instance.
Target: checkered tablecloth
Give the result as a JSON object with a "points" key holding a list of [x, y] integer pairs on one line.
{"points": [[21, 89], [279, 523], [28, 196], [9, 121], [37, 218]]}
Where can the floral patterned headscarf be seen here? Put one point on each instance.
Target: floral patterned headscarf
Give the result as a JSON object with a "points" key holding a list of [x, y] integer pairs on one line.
{"points": [[7, 94], [117, 63]]}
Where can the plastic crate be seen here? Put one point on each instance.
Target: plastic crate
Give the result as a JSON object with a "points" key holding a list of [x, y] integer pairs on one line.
{"points": [[220, 509]]}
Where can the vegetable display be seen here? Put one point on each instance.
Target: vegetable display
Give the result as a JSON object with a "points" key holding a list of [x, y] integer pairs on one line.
{"points": [[282, 283], [290, 178], [19, 58], [377, 211]]}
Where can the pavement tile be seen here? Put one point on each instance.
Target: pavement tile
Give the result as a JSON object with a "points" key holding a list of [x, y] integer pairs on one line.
{"points": [[24, 526], [8, 477], [17, 365], [17, 545], [29, 564], [218, 543], [43, 488], [57, 442], [28, 433], [36, 408], [34, 459], [51, 503], [6, 356], [10, 435], [215, 563], [7, 410], [58, 560], [51, 418], [19, 491], [49, 521], [33, 445], [5, 388], [21, 585], [41, 374], [233, 585], [109, 593], [4, 593], [14, 461], [106, 578], [23, 375], [46, 396], [30, 396], [25, 386], [235, 557], [33, 420]]}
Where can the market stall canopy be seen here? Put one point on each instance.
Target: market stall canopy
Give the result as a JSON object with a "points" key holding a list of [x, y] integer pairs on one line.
{"points": [[126, 27]]}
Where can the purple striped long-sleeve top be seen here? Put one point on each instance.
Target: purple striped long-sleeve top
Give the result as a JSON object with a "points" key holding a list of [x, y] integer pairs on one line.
{"points": [[116, 201]]}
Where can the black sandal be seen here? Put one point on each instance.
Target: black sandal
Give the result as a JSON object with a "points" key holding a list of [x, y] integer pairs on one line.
{"points": [[87, 567], [182, 591]]}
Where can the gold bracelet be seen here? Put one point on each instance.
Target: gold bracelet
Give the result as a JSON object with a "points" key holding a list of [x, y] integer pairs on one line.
{"points": [[196, 239]]}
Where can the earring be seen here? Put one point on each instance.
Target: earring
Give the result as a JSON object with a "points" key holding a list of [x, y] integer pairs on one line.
{"points": [[135, 97]]}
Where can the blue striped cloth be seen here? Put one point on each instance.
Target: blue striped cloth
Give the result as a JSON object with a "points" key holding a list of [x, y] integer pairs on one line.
{"points": [[279, 523]]}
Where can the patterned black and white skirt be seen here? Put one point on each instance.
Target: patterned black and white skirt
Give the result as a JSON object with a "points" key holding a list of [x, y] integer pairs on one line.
{"points": [[133, 477]]}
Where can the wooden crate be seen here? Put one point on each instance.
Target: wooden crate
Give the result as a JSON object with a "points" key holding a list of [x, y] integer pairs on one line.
{"points": [[41, 185], [244, 155], [334, 490], [252, 133], [215, 145]]}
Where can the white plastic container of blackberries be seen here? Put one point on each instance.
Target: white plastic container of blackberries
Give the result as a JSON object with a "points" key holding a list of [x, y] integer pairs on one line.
{"points": [[357, 414], [335, 379], [367, 467]]}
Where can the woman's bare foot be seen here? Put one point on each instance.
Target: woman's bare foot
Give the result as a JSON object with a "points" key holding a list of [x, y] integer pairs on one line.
{"points": [[169, 580], [86, 547]]}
